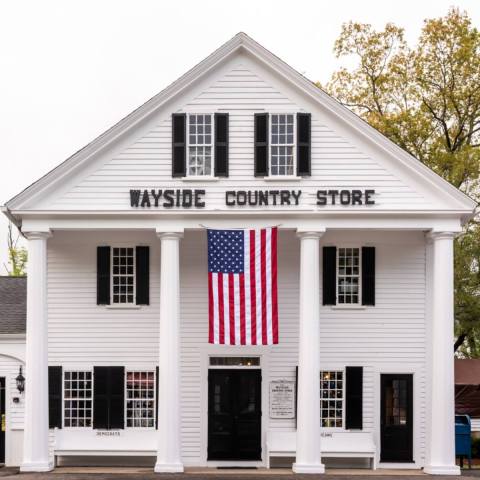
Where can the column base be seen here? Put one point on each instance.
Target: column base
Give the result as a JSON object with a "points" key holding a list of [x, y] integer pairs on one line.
{"points": [[442, 469], [308, 468], [168, 468], [36, 467]]}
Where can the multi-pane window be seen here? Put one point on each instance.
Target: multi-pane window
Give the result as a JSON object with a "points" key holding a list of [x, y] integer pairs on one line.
{"points": [[331, 398], [77, 393], [282, 144], [200, 142], [123, 275], [140, 399], [348, 275]]}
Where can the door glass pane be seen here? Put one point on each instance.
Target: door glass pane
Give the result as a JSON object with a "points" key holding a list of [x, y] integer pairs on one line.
{"points": [[396, 402], [235, 361]]}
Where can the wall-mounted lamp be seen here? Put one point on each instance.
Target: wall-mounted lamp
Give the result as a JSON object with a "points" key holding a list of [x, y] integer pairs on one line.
{"points": [[20, 381]]}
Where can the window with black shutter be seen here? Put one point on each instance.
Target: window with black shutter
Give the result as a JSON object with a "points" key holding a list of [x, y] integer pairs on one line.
{"points": [[354, 398], [108, 398], [123, 275], [349, 276], [54, 397]]}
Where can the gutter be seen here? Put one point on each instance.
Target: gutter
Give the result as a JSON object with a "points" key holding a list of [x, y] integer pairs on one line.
{"points": [[7, 212]]}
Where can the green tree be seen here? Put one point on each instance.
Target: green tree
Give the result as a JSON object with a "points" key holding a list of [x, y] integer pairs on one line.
{"points": [[427, 100], [17, 256]]}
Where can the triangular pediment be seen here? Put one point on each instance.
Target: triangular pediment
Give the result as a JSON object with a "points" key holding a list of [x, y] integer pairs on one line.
{"points": [[240, 78]]}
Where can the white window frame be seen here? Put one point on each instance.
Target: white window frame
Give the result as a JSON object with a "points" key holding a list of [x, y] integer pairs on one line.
{"points": [[76, 370], [294, 145], [342, 371], [337, 277], [141, 370], [134, 276], [187, 166]]}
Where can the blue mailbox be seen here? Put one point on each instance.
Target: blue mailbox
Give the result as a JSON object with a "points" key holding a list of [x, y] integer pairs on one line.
{"points": [[463, 438]]}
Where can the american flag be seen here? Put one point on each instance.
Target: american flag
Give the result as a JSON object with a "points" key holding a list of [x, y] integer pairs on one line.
{"points": [[242, 286]]}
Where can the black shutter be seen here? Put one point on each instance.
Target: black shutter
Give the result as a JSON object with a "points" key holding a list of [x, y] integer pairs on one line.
{"points": [[304, 151], [368, 275], [261, 144], [354, 398], [221, 145], [103, 275], [179, 148], [100, 397], [54, 397], [142, 276], [157, 372], [117, 398], [108, 397], [329, 275]]}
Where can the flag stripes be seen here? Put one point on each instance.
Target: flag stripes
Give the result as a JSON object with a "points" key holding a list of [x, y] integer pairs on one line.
{"points": [[242, 284]]}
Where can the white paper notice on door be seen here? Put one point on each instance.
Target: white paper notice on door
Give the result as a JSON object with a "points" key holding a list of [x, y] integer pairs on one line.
{"points": [[282, 399]]}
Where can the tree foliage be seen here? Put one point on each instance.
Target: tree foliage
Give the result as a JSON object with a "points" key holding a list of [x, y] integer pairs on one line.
{"points": [[426, 99], [17, 256]]}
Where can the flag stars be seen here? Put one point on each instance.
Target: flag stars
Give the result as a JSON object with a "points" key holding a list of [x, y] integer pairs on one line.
{"points": [[225, 251]]}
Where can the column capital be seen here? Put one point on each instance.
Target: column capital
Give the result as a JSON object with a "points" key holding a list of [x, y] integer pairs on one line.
{"points": [[170, 235], [432, 235], [310, 233], [37, 235]]}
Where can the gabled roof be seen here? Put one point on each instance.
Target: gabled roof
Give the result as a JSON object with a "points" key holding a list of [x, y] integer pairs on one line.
{"points": [[13, 305], [81, 158]]}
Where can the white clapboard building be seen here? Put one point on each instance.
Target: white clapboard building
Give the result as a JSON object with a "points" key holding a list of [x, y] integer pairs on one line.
{"points": [[118, 359]]}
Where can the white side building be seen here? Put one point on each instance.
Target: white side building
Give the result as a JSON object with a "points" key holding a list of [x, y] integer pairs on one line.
{"points": [[13, 296], [117, 315]]}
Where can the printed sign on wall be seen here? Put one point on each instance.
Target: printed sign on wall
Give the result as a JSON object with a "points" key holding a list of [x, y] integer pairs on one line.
{"points": [[282, 399]]}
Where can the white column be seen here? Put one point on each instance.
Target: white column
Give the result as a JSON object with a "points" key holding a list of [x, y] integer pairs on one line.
{"points": [[440, 448], [168, 455], [308, 415], [35, 435]]}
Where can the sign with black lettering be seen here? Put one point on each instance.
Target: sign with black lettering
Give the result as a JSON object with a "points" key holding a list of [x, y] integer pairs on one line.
{"points": [[188, 198], [282, 399]]}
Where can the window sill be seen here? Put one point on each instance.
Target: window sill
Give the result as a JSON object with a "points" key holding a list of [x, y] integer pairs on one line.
{"points": [[282, 178], [348, 307], [123, 307], [200, 178]]}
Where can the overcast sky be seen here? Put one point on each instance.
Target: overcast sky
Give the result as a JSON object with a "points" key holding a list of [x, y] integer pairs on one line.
{"points": [[71, 69]]}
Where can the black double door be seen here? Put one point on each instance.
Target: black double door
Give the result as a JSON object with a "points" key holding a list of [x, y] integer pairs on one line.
{"points": [[396, 418], [234, 414]]}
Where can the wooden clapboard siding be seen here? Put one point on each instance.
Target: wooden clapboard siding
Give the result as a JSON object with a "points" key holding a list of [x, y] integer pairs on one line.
{"points": [[337, 162], [80, 330], [390, 334]]}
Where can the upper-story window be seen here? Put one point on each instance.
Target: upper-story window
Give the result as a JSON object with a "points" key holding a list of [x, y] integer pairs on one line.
{"points": [[200, 145], [348, 286], [282, 144]]}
